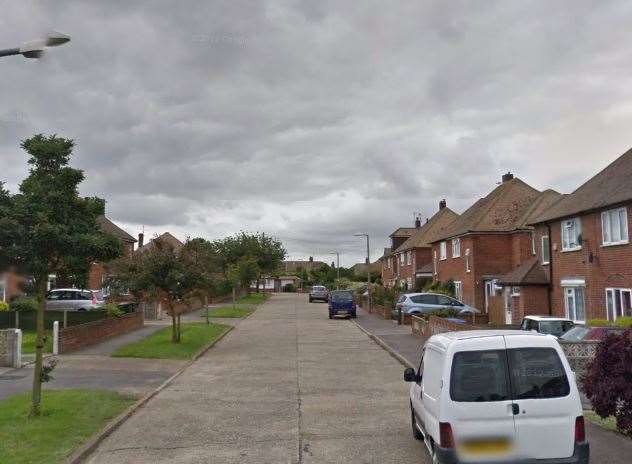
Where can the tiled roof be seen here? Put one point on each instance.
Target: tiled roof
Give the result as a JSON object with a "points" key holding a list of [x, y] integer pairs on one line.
{"points": [[403, 232], [613, 185], [507, 208], [166, 238], [109, 227], [424, 236], [530, 272], [387, 252]]}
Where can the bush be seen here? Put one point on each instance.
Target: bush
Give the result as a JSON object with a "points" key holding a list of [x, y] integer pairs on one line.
{"points": [[4, 306], [289, 288], [24, 304], [598, 322], [625, 322], [607, 380], [384, 296], [445, 288], [111, 310]]}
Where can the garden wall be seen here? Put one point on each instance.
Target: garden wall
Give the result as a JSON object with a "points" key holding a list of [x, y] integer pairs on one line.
{"points": [[579, 354], [78, 336], [27, 320]]}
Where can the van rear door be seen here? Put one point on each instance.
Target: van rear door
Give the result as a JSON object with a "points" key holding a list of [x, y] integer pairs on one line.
{"points": [[479, 408], [546, 397]]}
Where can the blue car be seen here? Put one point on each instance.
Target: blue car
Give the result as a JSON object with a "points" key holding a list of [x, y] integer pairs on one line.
{"points": [[341, 302]]}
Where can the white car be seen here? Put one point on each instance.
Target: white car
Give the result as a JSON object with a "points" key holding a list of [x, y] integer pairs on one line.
{"points": [[424, 303], [497, 396], [73, 299], [549, 325]]}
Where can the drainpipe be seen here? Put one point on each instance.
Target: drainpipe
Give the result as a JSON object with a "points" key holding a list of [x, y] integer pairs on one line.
{"points": [[548, 229]]}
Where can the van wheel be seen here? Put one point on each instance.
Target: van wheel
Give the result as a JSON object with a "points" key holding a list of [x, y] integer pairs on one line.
{"points": [[416, 433]]}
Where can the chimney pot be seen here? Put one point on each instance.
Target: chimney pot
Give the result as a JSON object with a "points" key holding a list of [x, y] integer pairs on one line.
{"points": [[443, 204], [141, 240], [507, 177], [311, 259], [417, 222]]}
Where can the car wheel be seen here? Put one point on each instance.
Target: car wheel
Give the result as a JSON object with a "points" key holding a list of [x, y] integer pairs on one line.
{"points": [[353, 315], [331, 316], [416, 433], [310, 300], [81, 309]]}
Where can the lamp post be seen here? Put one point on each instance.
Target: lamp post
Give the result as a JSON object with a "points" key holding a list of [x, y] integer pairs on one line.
{"points": [[368, 270], [35, 48], [337, 267]]}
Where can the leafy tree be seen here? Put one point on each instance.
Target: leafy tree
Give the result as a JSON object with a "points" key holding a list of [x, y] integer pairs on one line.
{"points": [[202, 257], [164, 272], [608, 379], [47, 228]]}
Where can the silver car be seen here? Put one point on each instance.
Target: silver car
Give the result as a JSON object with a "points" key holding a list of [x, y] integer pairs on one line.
{"points": [[319, 292], [72, 299], [424, 303]]}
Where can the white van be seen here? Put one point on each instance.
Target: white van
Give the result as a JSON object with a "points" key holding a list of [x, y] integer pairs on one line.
{"points": [[497, 396]]}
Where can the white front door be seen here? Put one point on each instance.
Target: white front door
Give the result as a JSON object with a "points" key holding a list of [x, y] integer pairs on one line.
{"points": [[508, 306], [489, 292]]}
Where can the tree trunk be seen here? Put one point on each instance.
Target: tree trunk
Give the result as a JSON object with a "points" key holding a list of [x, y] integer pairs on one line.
{"points": [[174, 328], [258, 279], [233, 297], [36, 396], [179, 329], [206, 309]]}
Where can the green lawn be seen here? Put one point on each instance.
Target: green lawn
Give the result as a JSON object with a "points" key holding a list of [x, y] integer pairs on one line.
{"points": [[253, 298], [28, 342], [159, 346], [609, 423], [69, 418], [229, 311]]}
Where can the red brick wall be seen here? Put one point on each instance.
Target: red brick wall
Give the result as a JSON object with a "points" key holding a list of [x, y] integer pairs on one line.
{"points": [[388, 273], [454, 268], [600, 266], [534, 300], [12, 285], [78, 336]]}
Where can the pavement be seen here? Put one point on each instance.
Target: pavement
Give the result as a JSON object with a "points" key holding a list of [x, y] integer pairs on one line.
{"points": [[606, 447], [287, 385]]}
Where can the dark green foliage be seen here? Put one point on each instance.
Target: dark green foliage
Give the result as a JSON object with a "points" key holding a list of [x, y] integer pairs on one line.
{"points": [[24, 304], [446, 288], [385, 296], [290, 288], [111, 310]]}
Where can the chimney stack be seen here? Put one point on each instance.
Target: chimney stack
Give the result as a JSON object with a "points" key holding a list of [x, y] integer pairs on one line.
{"points": [[507, 177], [141, 240], [311, 259], [417, 222], [442, 204]]}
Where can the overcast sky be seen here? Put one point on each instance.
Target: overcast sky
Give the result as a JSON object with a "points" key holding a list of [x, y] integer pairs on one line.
{"points": [[313, 120]]}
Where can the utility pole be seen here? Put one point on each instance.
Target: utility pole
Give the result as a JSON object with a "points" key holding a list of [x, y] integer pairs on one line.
{"points": [[368, 270], [337, 268]]}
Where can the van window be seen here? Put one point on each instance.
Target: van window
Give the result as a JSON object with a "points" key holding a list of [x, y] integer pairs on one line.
{"points": [[556, 328], [537, 373], [479, 376], [432, 376]]}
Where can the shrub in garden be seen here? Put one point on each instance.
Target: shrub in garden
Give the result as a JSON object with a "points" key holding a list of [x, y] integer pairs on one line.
{"points": [[608, 379], [289, 288], [24, 304], [625, 322], [111, 310], [4, 306], [598, 322]]}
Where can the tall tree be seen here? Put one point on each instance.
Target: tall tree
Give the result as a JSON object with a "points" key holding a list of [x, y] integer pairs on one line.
{"points": [[202, 258], [47, 228]]}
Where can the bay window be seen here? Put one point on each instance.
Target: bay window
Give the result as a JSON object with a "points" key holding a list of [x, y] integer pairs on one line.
{"points": [[467, 260], [443, 250], [546, 258], [614, 226], [456, 247], [458, 290], [618, 303], [574, 303], [571, 234]]}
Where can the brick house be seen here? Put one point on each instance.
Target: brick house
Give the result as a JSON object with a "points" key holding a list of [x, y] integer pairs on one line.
{"points": [[583, 243], [414, 256], [489, 253], [390, 266]]}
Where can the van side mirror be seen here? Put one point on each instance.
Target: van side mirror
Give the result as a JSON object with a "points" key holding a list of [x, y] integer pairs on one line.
{"points": [[410, 375]]}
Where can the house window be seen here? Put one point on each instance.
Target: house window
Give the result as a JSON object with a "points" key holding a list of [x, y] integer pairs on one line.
{"points": [[443, 250], [571, 233], [515, 291], [408, 257], [574, 303], [546, 258], [401, 258], [618, 303], [467, 260], [456, 247], [533, 243], [3, 288], [458, 290], [614, 226], [434, 261]]}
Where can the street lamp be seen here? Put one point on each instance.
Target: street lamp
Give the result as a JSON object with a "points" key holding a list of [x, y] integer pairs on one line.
{"points": [[368, 270], [337, 267], [35, 48]]}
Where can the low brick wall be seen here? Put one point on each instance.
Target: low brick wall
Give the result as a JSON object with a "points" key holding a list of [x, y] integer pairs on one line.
{"points": [[11, 348], [383, 311], [78, 336]]}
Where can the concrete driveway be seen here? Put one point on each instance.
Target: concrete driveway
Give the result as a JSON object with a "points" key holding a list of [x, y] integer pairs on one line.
{"points": [[288, 385]]}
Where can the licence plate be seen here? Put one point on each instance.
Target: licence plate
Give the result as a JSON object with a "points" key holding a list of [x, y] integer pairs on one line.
{"points": [[341, 311], [487, 446]]}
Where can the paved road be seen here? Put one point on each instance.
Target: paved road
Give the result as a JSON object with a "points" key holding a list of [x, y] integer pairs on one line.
{"points": [[288, 385]]}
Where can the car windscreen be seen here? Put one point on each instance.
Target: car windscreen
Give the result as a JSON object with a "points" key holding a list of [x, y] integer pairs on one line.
{"points": [[482, 376], [318, 289], [556, 328], [537, 373], [576, 334], [479, 376], [342, 297]]}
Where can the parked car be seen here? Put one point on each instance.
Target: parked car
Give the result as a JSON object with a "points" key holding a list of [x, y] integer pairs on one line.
{"points": [[424, 303], [341, 302], [318, 292], [72, 299], [548, 325], [581, 333], [497, 396]]}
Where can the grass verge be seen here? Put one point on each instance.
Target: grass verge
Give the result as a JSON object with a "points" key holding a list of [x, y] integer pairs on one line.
{"points": [[229, 311], [69, 418], [28, 342], [253, 298], [158, 345], [609, 423]]}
